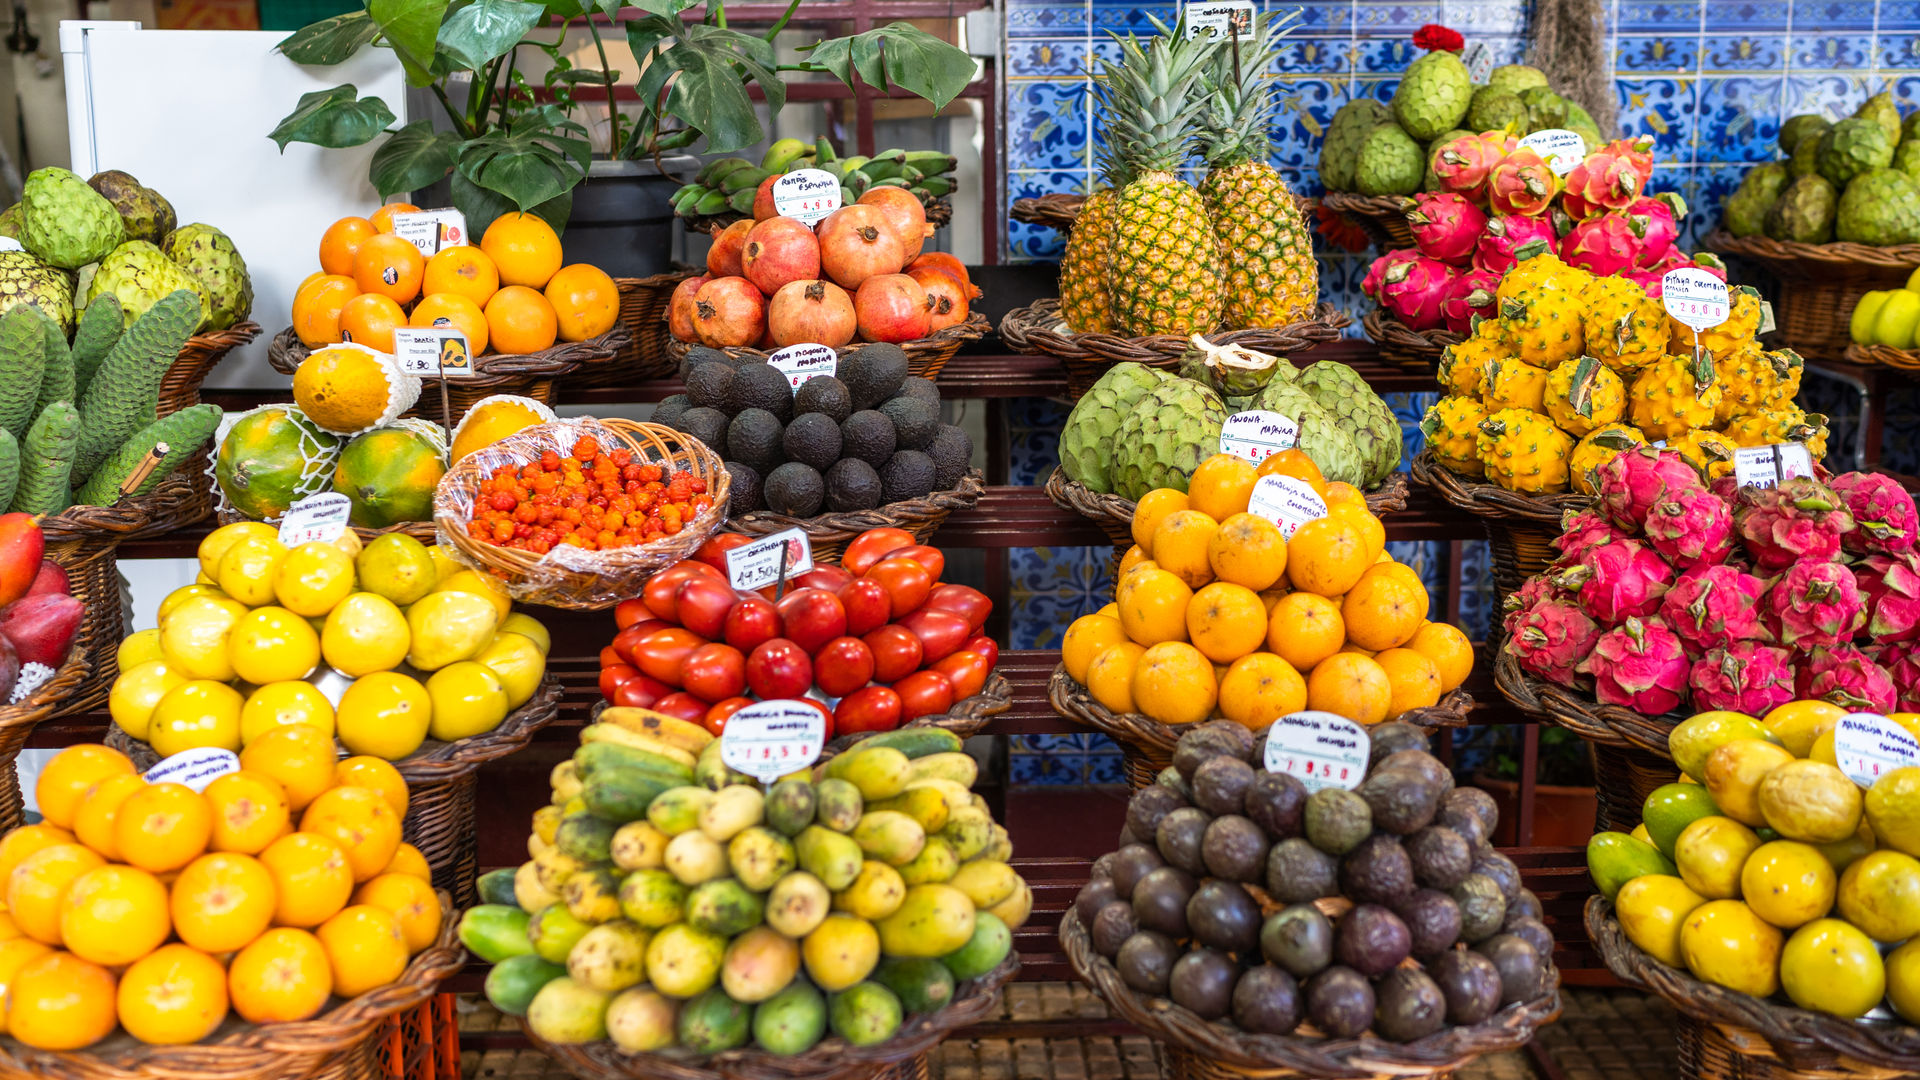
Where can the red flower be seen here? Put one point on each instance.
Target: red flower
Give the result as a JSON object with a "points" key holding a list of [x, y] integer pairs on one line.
{"points": [[1336, 229], [1433, 37]]}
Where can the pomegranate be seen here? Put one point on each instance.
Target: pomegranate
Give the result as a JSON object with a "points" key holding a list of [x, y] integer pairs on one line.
{"points": [[729, 312], [766, 343], [780, 250], [954, 268], [892, 307], [856, 243], [903, 209], [947, 298], [723, 258], [680, 308], [811, 312], [763, 199]]}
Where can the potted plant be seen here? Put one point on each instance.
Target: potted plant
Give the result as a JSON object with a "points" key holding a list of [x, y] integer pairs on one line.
{"points": [[1564, 801], [503, 146]]}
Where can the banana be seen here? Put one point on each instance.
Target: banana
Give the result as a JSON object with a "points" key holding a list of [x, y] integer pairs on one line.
{"points": [[934, 187], [720, 170], [881, 169], [854, 163], [744, 179], [932, 162], [683, 205], [742, 201], [822, 149], [668, 729], [892, 181], [781, 153], [847, 197], [614, 733], [859, 182], [911, 175], [892, 153], [711, 203], [687, 189]]}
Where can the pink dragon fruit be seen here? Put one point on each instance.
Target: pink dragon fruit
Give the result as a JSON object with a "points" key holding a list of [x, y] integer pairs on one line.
{"points": [[1639, 665], [1637, 151], [1633, 481], [1535, 590], [1620, 580], [1727, 487], [1901, 662], [1656, 218], [1464, 164], [1814, 604], [1800, 520], [1601, 245], [1711, 607], [1891, 586], [1848, 678], [1414, 291], [1522, 184], [1471, 295], [1745, 677], [1551, 638], [1691, 528], [1580, 532], [1377, 271], [1498, 249], [1445, 225], [1651, 282], [1884, 519], [1601, 182]]}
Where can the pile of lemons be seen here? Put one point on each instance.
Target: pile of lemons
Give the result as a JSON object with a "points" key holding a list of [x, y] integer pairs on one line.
{"points": [[382, 646]]}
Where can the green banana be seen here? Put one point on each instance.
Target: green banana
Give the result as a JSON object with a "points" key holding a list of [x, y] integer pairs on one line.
{"points": [[892, 181], [682, 192], [911, 175], [859, 182], [822, 149], [932, 162], [833, 169], [934, 187], [854, 163], [847, 198], [711, 203], [720, 170], [683, 206], [747, 178], [881, 169], [892, 153], [782, 153], [742, 200]]}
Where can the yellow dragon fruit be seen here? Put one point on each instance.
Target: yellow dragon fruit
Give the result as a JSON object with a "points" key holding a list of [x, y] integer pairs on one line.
{"points": [[1544, 326], [1785, 424], [1583, 395], [1598, 448], [1524, 452], [1753, 380], [1673, 394], [1741, 327], [1510, 384], [1625, 329], [1463, 366], [1452, 428], [1542, 271], [1708, 451]]}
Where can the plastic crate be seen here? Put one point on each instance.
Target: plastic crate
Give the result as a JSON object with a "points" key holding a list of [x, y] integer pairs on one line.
{"points": [[422, 1043]]}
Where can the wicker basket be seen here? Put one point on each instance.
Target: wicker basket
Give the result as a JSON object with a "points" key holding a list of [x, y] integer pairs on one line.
{"points": [[1146, 745], [829, 534], [1382, 217], [966, 719], [939, 214], [643, 312], [1114, 513], [1907, 360], [1736, 1036], [17, 723], [1037, 330], [419, 530], [573, 578], [1404, 345], [1205, 1050], [1056, 211], [925, 356], [180, 387], [335, 1044], [902, 1057], [1520, 528], [1819, 284]]}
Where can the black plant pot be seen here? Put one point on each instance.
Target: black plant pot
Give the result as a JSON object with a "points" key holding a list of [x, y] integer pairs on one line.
{"points": [[622, 218]]}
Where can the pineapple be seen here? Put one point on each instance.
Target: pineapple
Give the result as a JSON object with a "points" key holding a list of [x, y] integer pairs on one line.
{"points": [[1544, 326], [1598, 448], [1522, 451], [1164, 267], [1624, 328], [1753, 380], [1582, 396], [1271, 277], [1672, 394], [1782, 425], [1452, 428], [1510, 384], [1708, 451], [1085, 300], [1741, 327]]}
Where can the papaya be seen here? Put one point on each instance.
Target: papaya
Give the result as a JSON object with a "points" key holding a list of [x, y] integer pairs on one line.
{"points": [[593, 895], [494, 932], [594, 756], [389, 475], [496, 886], [622, 795], [514, 981], [585, 837]]}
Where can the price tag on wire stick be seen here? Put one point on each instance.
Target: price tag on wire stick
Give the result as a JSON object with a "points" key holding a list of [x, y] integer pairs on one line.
{"points": [[433, 352], [769, 560], [1771, 465], [769, 739], [432, 231], [1695, 297], [1220, 19], [1479, 60], [318, 518], [1562, 149], [802, 362], [1867, 745], [1287, 502], [194, 768], [1321, 749], [1257, 434], [806, 194]]}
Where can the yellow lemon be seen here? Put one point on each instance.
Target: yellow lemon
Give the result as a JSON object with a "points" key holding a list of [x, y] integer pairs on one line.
{"points": [[468, 700], [479, 585], [138, 689], [195, 714], [365, 633], [278, 704], [530, 628], [517, 662], [397, 567], [219, 540], [183, 594], [385, 715], [272, 644], [247, 570], [313, 578], [194, 638], [139, 648], [448, 627]]}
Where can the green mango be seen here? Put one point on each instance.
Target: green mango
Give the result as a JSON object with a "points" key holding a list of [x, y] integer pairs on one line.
{"points": [[1614, 858], [1670, 809]]}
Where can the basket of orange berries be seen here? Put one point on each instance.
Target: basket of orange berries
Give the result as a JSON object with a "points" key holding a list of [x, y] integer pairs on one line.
{"points": [[1252, 603], [195, 924]]}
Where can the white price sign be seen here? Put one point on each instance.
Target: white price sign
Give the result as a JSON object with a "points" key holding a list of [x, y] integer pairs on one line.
{"points": [[1562, 149], [769, 739], [1770, 466], [1867, 745], [1479, 60], [318, 518], [806, 194], [1287, 502], [8, 243], [1258, 434], [1695, 297], [1221, 19], [759, 564], [194, 768], [1321, 749], [433, 351], [800, 363], [432, 231]]}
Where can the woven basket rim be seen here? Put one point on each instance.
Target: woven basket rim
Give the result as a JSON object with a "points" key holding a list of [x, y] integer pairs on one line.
{"points": [[1362, 1056], [1056, 211], [939, 210], [973, 328], [172, 503], [1578, 712], [1490, 501], [50, 694], [286, 352], [218, 343], [1038, 330], [938, 504], [1390, 495], [1351, 202], [1907, 360], [1385, 329], [966, 718], [1775, 253]]}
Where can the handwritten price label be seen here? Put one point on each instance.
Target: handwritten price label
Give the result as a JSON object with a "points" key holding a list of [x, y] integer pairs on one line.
{"points": [[318, 519], [432, 231], [757, 565], [1220, 20], [1695, 297], [1866, 745], [194, 768], [800, 363], [1287, 502], [433, 352], [1479, 60], [769, 739], [1562, 149], [1257, 434], [1772, 465], [806, 194], [1320, 748]]}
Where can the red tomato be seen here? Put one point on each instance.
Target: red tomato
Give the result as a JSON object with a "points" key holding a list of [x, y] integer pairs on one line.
{"points": [[714, 672], [660, 587], [625, 640], [867, 605], [941, 633], [630, 611], [812, 617], [907, 584], [967, 671], [871, 708], [682, 705], [842, 666], [702, 604], [969, 603], [611, 657], [829, 578], [779, 669], [717, 716], [640, 692], [660, 655], [752, 620], [896, 653], [867, 548], [612, 675], [714, 551], [932, 558], [924, 693], [986, 647]]}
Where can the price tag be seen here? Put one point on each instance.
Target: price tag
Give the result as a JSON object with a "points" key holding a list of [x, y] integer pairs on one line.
{"points": [[194, 768], [1220, 19], [1769, 466], [1866, 745], [437, 351], [1257, 434], [802, 362], [769, 739], [1695, 297], [8, 243], [757, 565], [1287, 502], [1561, 148], [1479, 60], [806, 194], [318, 518], [1767, 324], [432, 231], [1322, 749]]}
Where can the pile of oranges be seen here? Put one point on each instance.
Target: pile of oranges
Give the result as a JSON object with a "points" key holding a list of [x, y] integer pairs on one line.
{"points": [[157, 909], [589, 498], [510, 294], [1217, 613]]}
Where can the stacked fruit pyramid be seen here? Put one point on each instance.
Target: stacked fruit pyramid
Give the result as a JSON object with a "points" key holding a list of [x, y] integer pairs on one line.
{"points": [[738, 185], [1857, 180], [675, 907], [159, 910], [1569, 368]]}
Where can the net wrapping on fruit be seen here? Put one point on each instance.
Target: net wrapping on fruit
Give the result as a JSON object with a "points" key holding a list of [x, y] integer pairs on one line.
{"points": [[318, 452]]}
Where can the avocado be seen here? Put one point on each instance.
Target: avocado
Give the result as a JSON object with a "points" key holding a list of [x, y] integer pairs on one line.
{"points": [[852, 484], [1202, 982], [709, 426], [917, 387], [1234, 848], [813, 439], [908, 474], [1470, 983], [1112, 925], [709, 384], [702, 354], [795, 490], [823, 394], [1149, 805], [743, 497], [1371, 940], [873, 373], [1340, 1002], [1440, 857], [1377, 872], [867, 435], [1223, 916], [762, 386], [1410, 1006], [669, 411], [1220, 785], [914, 421], [1298, 872], [754, 438], [1298, 938], [952, 454]]}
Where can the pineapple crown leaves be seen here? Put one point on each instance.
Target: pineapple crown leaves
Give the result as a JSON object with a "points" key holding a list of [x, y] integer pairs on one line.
{"points": [[1152, 96], [1239, 87]]}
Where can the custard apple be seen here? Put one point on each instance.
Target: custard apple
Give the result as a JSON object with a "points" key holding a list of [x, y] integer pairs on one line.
{"points": [[1346, 396], [1881, 110], [211, 259], [1850, 148], [1906, 159], [1165, 436], [10, 224], [1799, 127], [1433, 95], [1545, 109], [146, 214], [26, 279], [1513, 78], [1805, 159], [67, 223], [1804, 211], [1087, 438], [1391, 163], [139, 275], [1321, 436], [1496, 110], [1340, 150], [1881, 207], [1745, 211]]}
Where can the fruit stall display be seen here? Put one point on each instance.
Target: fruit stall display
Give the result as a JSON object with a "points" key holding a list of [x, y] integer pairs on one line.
{"points": [[1253, 922], [878, 641], [847, 915], [730, 188]]}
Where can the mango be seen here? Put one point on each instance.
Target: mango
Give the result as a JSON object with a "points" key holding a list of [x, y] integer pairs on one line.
{"points": [[652, 898], [875, 894], [1692, 740], [1016, 908], [936, 862], [639, 845], [926, 805], [832, 857], [565, 1013], [1613, 859], [840, 952], [1726, 944], [610, 957], [797, 904], [837, 805], [554, 931], [759, 857], [1733, 776], [790, 806], [880, 772], [970, 831], [732, 810], [759, 964], [677, 810], [641, 1020], [684, 960], [890, 836], [529, 893], [695, 858], [987, 882], [933, 920], [1710, 853], [593, 895], [957, 767]]}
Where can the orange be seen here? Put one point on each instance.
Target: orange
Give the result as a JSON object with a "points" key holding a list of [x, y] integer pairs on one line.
{"points": [[282, 976], [452, 309], [1248, 550], [524, 247], [24, 841], [390, 266], [66, 779], [60, 1002], [1326, 556], [1304, 629], [163, 828], [1134, 557], [114, 915], [1110, 676], [520, 321], [376, 773], [1415, 680], [39, 885], [299, 757], [1383, 609], [174, 996], [14, 955], [1147, 513], [250, 811], [1447, 646], [1294, 462], [1341, 493], [1180, 545], [1374, 533], [222, 901], [1087, 638], [1174, 683], [1226, 622], [361, 822], [585, 300], [1221, 485], [410, 901], [340, 241], [8, 928], [382, 218], [311, 878], [365, 949], [408, 860], [1350, 685], [93, 822], [369, 319], [317, 308], [1153, 606], [464, 271], [1260, 688]]}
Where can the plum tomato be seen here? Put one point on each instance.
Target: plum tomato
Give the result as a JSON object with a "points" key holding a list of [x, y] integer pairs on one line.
{"points": [[702, 604], [932, 558], [924, 693], [752, 621], [612, 675], [716, 719], [867, 548], [842, 666], [967, 671], [640, 692], [812, 617], [986, 647], [941, 633], [714, 551], [907, 583], [829, 578], [779, 669], [625, 640], [683, 706], [661, 587], [660, 654], [868, 606], [714, 672], [870, 708], [612, 657], [969, 603], [630, 611], [896, 653]]}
